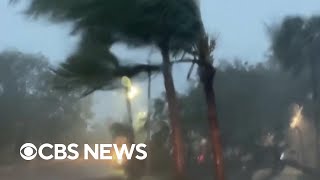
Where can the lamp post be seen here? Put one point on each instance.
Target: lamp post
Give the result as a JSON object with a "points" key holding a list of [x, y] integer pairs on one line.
{"points": [[130, 93], [294, 125]]}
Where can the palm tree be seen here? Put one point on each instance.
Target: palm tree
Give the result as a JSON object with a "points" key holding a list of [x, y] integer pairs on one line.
{"points": [[295, 46], [202, 52], [171, 26], [207, 75]]}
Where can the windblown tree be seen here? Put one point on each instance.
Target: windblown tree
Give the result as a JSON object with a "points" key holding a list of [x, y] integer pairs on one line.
{"points": [[30, 110], [264, 94], [295, 45], [253, 102], [171, 26], [202, 53], [207, 72]]}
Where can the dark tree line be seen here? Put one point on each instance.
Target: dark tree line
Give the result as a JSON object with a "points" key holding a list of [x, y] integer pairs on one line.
{"points": [[30, 110], [295, 44], [254, 102]]}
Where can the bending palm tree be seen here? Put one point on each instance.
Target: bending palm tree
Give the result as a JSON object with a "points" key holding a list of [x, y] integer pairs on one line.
{"points": [[203, 50], [170, 25], [207, 75]]}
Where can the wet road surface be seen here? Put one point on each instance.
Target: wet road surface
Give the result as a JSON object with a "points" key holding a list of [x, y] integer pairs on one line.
{"points": [[60, 170]]}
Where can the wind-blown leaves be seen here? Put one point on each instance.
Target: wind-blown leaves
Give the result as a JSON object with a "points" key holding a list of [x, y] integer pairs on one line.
{"points": [[93, 67], [87, 72], [295, 42], [288, 42], [297, 48], [102, 23], [137, 22], [30, 109]]}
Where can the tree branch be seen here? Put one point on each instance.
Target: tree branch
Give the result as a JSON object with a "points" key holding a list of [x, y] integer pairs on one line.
{"points": [[187, 61]]}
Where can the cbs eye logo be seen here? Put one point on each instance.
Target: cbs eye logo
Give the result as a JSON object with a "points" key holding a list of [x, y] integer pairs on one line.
{"points": [[28, 151]]}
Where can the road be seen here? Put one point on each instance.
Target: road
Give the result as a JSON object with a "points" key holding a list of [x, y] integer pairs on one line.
{"points": [[60, 170]]}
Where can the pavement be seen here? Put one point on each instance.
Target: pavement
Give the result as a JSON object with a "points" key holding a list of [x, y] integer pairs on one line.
{"points": [[61, 170], [287, 174]]}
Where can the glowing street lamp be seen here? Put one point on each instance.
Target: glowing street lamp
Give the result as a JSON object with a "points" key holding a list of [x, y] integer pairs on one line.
{"points": [[295, 125], [142, 115], [126, 82], [131, 92], [297, 118]]}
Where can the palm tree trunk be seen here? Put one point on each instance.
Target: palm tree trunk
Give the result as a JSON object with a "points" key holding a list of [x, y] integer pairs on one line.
{"points": [[129, 108], [207, 74], [213, 122], [174, 114], [131, 137]]}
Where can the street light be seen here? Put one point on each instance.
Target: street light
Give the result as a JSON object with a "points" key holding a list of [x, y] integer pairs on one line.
{"points": [[296, 119], [130, 92], [125, 81], [295, 125]]}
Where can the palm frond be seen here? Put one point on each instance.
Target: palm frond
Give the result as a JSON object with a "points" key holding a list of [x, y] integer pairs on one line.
{"points": [[104, 22], [87, 74], [137, 22]]}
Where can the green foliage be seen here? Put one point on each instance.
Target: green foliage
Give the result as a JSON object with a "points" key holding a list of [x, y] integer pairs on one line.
{"points": [[83, 74], [295, 42], [164, 23], [30, 109], [288, 43], [296, 46], [252, 102], [134, 21]]}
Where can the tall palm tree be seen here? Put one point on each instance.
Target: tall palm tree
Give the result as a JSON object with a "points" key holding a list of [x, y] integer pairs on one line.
{"points": [[202, 52], [207, 75], [169, 25]]}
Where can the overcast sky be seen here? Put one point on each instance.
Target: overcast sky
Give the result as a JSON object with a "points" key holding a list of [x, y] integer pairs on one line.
{"points": [[238, 24]]}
